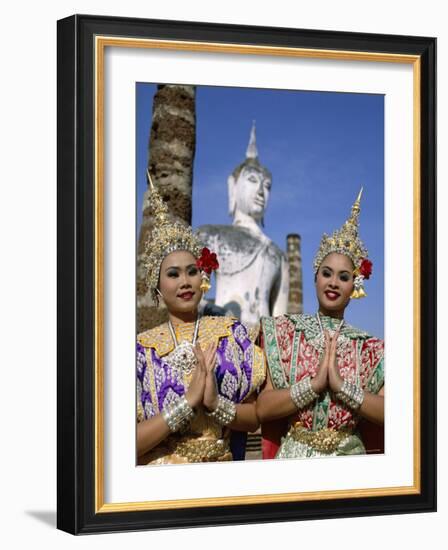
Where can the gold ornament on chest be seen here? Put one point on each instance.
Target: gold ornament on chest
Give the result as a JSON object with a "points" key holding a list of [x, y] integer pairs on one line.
{"points": [[182, 358]]}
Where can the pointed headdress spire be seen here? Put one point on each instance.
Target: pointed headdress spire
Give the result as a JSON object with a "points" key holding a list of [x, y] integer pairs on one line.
{"points": [[346, 241], [167, 236]]}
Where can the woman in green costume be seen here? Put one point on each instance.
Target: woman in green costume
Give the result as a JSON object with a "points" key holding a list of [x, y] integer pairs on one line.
{"points": [[324, 375]]}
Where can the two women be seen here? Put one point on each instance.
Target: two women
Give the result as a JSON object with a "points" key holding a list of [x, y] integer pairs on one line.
{"points": [[197, 378]]}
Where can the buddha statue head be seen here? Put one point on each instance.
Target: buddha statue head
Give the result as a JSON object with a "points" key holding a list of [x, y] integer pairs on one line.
{"points": [[249, 185]]}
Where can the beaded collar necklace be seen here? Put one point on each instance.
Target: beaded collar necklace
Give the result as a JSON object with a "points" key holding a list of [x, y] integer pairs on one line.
{"points": [[318, 342], [182, 358], [331, 331]]}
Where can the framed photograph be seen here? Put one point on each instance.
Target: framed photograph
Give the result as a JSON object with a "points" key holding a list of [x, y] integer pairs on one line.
{"points": [[324, 113]]}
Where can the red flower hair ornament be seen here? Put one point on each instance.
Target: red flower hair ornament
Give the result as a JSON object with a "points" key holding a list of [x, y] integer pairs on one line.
{"points": [[365, 269], [207, 263], [362, 272]]}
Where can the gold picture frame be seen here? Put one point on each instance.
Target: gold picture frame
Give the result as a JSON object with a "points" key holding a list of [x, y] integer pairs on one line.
{"points": [[82, 43]]}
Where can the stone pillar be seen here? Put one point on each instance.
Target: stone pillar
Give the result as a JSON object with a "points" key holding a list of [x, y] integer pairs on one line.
{"points": [[171, 150], [295, 297]]}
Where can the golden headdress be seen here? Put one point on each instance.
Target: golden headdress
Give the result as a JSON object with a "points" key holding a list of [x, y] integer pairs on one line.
{"points": [[166, 237], [346, 241], [169, 236]]}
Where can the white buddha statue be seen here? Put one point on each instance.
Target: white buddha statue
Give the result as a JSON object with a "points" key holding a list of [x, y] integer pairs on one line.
{"points": [[253, 277]]}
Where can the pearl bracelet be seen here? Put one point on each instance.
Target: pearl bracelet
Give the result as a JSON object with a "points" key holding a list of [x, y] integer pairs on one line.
{"points": [[178, 414], [351, 394], [225, 411], [302, 393]]}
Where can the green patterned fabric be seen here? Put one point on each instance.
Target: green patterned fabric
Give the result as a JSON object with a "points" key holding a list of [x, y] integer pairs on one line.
{"points": [[376, 381], [273, 354], [309, 325], [320, 417]]}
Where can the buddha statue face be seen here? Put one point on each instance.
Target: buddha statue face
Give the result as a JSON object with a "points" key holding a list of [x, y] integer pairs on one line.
{"points": [[249, 192]]}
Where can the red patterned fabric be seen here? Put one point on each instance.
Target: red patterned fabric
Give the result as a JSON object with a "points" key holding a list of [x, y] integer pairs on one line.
{"points": [[285, 337], [359, 360]]}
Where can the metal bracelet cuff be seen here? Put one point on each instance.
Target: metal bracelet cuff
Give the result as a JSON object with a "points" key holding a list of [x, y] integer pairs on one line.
{"points": [[302, 393], [225, 411], [351, 394], [178, 414]]}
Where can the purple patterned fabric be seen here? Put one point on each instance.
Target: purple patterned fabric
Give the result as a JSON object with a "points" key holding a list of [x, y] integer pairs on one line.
{"points": [[143, 395], [167, 380], [242, 339], [233, 373]]}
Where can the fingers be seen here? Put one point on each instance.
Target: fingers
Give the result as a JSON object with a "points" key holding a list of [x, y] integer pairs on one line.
{"points": [[212, 362], [333, 347], [329, 357], [331, 341], [209, 353], [210, 357], [326, 355], [206, 360], [334, 343], [200, 357], [210, 349], [333, 371], [198, 350], [334, 374], [328, 342]]}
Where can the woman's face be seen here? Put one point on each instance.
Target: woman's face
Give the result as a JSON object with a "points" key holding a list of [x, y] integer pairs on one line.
{"points": [[334, 283], [180, 281]]}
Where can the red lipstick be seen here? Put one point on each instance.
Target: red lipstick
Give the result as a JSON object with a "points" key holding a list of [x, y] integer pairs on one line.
{"points": [[331, 295]]}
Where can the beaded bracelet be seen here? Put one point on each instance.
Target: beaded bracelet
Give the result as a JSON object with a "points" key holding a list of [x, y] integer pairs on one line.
{"points": [[351, 394], [178, 414], [225, 411], [302, 393]]}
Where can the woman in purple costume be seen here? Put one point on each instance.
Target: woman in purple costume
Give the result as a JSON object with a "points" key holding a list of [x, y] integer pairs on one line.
{"points": [[196, 376]]}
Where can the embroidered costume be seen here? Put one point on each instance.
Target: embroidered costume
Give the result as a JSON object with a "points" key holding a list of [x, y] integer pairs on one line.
{"points": [[239, 372], [326, 426]]}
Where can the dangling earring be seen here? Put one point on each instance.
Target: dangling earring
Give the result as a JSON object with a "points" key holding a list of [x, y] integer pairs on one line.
{"points": [[207, 263], [205, 284]]}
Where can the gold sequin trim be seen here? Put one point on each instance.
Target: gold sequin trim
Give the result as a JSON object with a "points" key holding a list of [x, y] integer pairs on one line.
{"points": [[211, 329], [202, 450], [152, 381], [258, 369], [140, 413], [326, 440], [188, 449], [254, 332]]}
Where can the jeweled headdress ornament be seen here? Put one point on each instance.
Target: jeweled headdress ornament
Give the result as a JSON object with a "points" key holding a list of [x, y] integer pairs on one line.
{"points": [[166, 237], [346, 241]]}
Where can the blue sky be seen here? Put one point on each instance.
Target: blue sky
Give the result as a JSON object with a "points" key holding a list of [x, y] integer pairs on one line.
{"points": [[320, 147]]}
